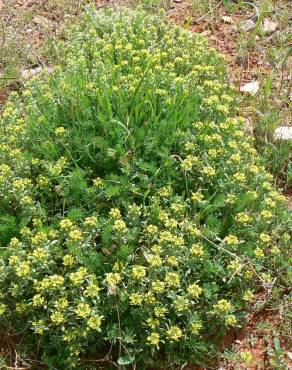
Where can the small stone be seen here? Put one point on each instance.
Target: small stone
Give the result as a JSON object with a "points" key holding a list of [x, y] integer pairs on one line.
{"points": [[250, 88], [248, 25], [42, 21], [26, 74], [283, 133], [177, 1], [206, 33], [269, 26], [227, 19]]}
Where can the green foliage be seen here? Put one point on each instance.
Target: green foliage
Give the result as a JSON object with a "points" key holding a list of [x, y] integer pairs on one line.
{"points": [[143, 220]]}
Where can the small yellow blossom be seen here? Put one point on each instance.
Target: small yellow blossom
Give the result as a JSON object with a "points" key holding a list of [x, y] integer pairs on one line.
{"points": [[120, 226], [94, 322], [195, 290], [230, 320], [231, 240], [158, 286], [172, 279], [115, 213], [60, 131], [153, 339], [57, 317], [136, 299], [83, 310], [197, 250], [258, 252], [196, 327], [197, 197], [174, 333], [113, 278], [154, 260], [222, 306]]}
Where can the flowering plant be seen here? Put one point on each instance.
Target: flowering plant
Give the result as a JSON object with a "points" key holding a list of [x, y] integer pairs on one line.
{"points": [[134, 209]]}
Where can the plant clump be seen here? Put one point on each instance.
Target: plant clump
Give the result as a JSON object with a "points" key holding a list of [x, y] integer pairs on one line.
{"points": [[135, 212]]}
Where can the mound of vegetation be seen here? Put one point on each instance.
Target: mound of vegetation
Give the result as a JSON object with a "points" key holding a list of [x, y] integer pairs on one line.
{"points": [[136, 217]]}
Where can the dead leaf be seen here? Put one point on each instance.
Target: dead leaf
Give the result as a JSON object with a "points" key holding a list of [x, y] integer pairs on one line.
{"points": [[248, 25]]}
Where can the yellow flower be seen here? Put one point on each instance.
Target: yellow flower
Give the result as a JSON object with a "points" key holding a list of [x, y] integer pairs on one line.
{"points": [[275, 250], [2, 308], [208, 171], [120, 226], [266, 214], [258, 252], [246, 357], [153, 339], [90, 221], [243, 217], [66, 224], [172, 260], [152, 323], [94, 322], [265, 238], [92, 290], [115, 213], [60, 130], [57, 317], [38, 300], [196, 326], [68, 260], [78, 276], [197, 197], [164, 192], [197, 250], [139, 272], [83, 310], [231, 240], [195, 290], [158, 286], [113, 278], [61, 304], [230, 320], [149, 298], [136, 299], [181, 304], [23, 269], [234, 266], [222, 306], [174, 333], [154, 260], [248, 295], [152, 229], [40, 254], [188, 163], [75, 235], [160, 311], [98, 183], [172, 279], [240, 177], [38, 326]]}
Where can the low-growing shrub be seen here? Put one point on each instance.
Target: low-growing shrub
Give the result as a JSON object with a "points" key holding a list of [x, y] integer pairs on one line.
{"points": [[136, 217]]}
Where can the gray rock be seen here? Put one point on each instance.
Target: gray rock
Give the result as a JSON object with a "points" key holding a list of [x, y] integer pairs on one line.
{"points": [[283, 133]]}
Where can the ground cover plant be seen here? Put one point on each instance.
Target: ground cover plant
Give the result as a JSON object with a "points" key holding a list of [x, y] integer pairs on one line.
{"points": [[136, 217]]}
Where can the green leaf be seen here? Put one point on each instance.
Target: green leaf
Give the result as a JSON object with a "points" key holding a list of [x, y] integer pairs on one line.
{"points": [[126, 360]]}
